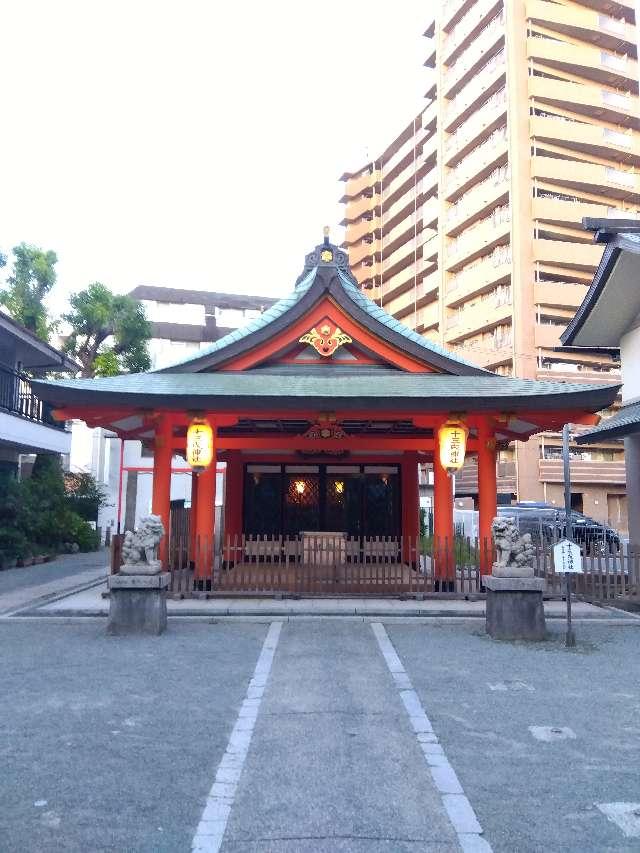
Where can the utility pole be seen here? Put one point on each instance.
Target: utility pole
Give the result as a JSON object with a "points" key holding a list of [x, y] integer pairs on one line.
{"points": [[570, 639]]}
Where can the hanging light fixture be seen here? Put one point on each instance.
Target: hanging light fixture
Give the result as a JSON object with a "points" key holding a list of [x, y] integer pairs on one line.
{"points": [[199, 445], [452, 440]]}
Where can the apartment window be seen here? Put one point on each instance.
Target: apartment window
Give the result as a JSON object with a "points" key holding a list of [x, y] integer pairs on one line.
{"points": [[613, 60], [615, 99]]}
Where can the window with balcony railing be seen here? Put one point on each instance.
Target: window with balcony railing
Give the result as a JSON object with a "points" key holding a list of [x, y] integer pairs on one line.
{"points": [[617, 176], [615, 99], [469, 128], [465, 25], [618, 61], [468, 57], [498, 215], [465, 204], [613, 25], [623, 140], [17, 397], [499, 135]]}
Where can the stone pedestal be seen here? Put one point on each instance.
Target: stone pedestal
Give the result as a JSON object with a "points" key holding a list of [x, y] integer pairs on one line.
{"points": [[514, 608], [138, 604]]}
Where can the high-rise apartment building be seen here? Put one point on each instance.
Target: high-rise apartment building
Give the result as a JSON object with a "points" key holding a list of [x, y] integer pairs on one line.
{"points": [[468, 226]]}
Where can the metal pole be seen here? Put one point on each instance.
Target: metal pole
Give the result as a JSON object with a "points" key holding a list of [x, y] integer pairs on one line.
{"points": [[570, 639], [120, 483]]}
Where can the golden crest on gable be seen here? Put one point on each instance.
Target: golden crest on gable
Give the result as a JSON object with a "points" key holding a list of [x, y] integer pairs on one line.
{"points": [[326, 339]]}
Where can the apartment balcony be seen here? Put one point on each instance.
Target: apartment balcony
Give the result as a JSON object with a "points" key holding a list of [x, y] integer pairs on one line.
{"points": [[619, 8], [475, 167], [488, 80], [585, 25], [431, 212], [399, 259], [427, 318], [590, 139], [479, 52], [359, 207], [490, 117], [477, 241], [469, 28], [620, 108], [566, 213], [556, 294], [362, 251], [357, 231], [407, 182], [583, 471], [601, 66], [467, 477], [430, 245], [547, 336], [485, 315], [26, 422], [479, 279], [476, 204], [367, 273], [411, 288], [487, 354], [405, 279], [588, 177], [356, 185], [572, 256], [403, 304], [592, 377], [453, 11], [403, 232]]}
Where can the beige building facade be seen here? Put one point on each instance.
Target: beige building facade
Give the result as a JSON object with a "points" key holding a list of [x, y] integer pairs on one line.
{"points": [[468, 226]]}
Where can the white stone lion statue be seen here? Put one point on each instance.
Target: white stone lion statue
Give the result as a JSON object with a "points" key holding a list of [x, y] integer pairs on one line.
{"points": [[140, 548], [514, 553]]}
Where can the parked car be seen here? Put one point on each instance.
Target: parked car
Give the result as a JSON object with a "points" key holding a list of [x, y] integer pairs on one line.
{"points": [[546, 524]]}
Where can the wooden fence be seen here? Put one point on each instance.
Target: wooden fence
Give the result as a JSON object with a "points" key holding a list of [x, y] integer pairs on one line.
{"points": [[334, 564]]}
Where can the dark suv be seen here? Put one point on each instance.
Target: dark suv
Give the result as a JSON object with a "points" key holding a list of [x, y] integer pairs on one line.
{"points": [[546, 524]]}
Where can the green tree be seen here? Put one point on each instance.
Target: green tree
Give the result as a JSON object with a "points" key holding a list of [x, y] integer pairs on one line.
{"points": [[33, 277], [110, 333]]}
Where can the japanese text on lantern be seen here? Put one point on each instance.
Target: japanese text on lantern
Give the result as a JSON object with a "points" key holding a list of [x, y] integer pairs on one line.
{"points": [[199, 445]]}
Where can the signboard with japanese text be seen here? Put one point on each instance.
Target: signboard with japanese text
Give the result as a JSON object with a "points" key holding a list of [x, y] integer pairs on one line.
{"points": [[567, 558]]}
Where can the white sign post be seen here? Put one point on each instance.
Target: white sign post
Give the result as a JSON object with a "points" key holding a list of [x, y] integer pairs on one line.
{"points": [[567, 560]]}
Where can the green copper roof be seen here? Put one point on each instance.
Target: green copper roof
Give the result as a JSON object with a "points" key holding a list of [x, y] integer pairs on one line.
{"points": [[376, 315], [414, 391]]}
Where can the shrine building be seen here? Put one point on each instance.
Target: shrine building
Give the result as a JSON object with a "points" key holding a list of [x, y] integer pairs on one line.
{"points": [[322, 409]]}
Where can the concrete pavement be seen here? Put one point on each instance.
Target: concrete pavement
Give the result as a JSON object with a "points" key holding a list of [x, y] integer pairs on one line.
{"points": [[114, 743]]}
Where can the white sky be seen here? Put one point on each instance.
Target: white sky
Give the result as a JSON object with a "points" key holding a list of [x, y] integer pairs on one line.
{"points": [[194, 143]]}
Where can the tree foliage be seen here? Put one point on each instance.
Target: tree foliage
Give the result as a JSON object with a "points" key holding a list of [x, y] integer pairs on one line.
{"points": [[39, 515], [110, 333], [32, 278]]}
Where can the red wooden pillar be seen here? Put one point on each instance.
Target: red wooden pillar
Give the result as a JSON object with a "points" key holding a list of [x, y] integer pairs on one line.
{"points": [[161, 494], [233, 501], [205, 518], [192, 516], [443, 544], [487, 493], [410, 506]]}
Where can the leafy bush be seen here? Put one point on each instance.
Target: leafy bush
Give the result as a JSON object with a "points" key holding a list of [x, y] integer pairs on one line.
{"points": [[38, 515]]}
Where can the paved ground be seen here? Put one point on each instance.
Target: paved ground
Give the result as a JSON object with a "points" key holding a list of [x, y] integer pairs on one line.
{"points": [[62, 567], [112, 744], [20, 588], [92, 602]]}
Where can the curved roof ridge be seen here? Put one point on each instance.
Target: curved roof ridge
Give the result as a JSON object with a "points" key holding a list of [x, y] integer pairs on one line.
{"points": [[268, 316], [383, 316]]}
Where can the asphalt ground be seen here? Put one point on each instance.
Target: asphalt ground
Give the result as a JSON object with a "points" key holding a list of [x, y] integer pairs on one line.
{"points": [[66, 565], [112, 744]]}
